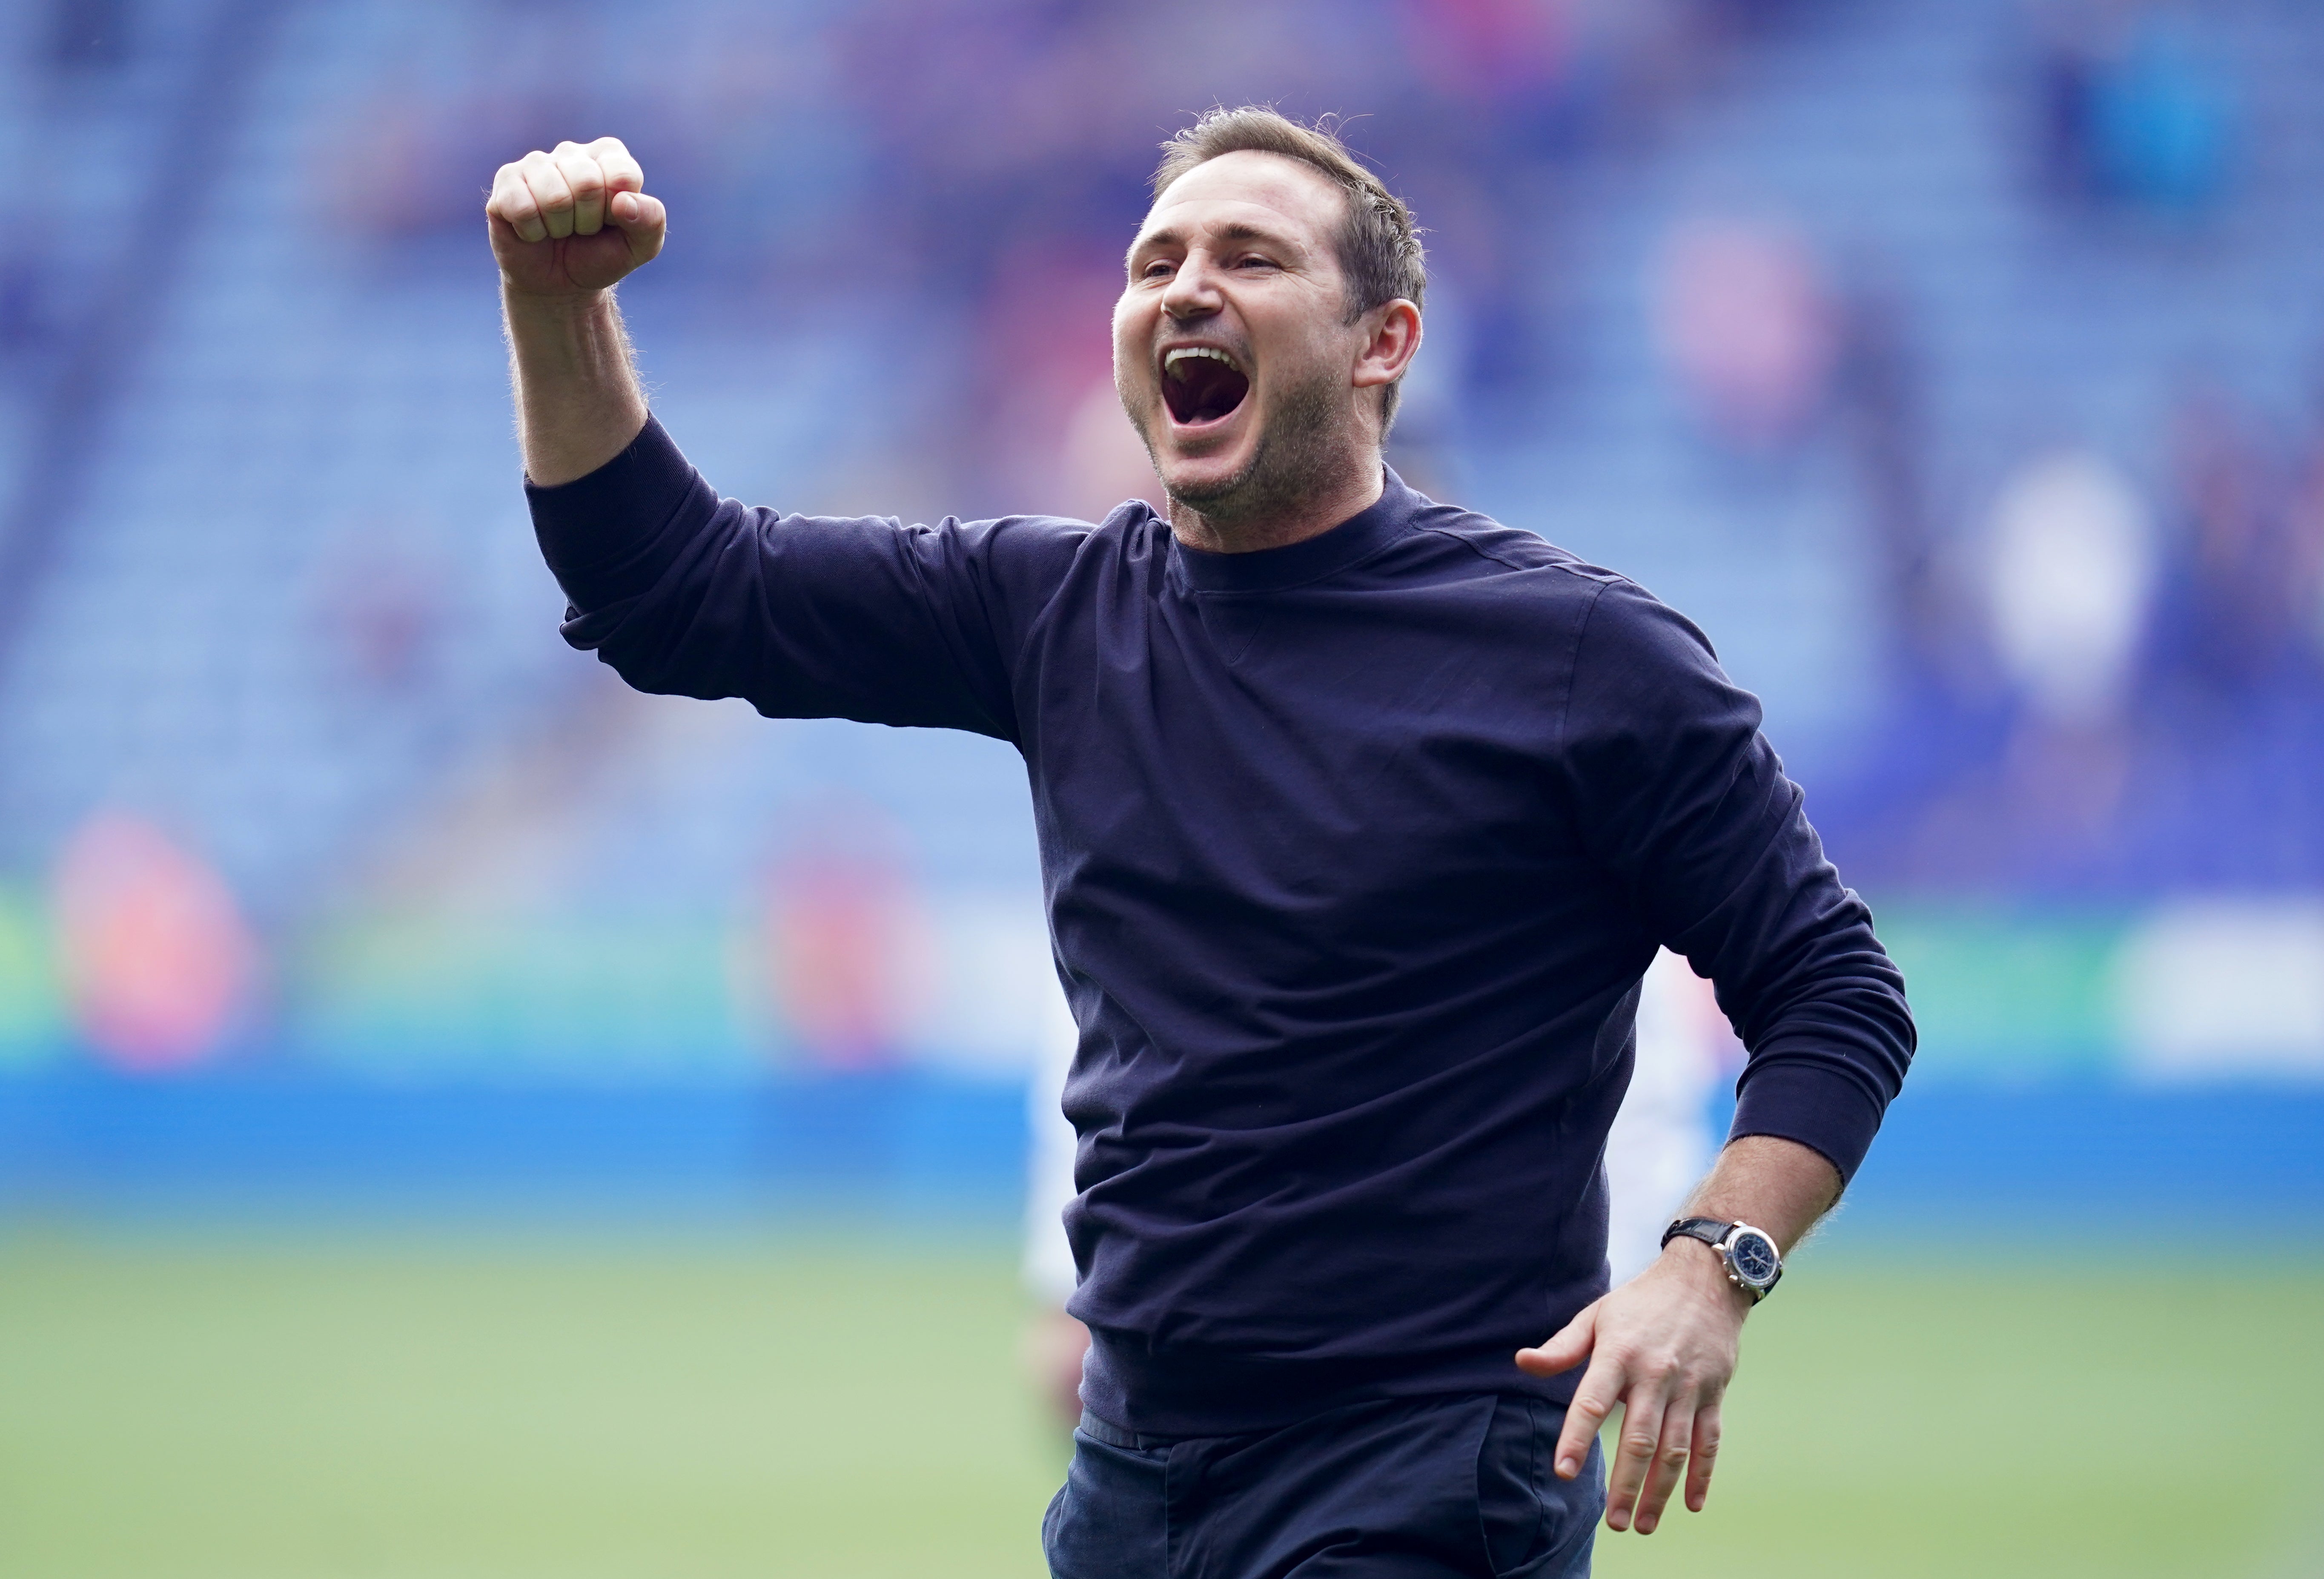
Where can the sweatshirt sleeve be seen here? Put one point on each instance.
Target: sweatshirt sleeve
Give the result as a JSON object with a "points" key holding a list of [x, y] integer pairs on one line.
{"points": [[1687, 808], [687, 594]]}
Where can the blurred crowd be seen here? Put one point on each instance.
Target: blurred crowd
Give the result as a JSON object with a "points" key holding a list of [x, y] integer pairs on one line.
{"points": [[2096, 669], [2097, 682], [2104, 694], [977, 167]]}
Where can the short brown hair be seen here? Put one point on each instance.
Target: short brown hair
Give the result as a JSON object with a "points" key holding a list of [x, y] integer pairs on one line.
{"points": [[1378, 246]]}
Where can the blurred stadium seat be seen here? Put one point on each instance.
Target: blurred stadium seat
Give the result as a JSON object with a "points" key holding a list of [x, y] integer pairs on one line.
{"points": [[1769, 306]]}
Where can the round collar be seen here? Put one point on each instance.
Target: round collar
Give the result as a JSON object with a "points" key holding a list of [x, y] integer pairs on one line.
{"points": [[1308, 560]]}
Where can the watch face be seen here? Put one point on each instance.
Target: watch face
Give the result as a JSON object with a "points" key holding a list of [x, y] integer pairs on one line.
{"points": [[1753, 1256]]}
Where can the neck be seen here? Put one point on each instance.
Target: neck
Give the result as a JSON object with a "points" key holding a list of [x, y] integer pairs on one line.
{"points": [[1241, 525]]}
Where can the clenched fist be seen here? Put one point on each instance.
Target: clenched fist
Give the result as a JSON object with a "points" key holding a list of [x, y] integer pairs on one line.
{"points": [[572, 222]]}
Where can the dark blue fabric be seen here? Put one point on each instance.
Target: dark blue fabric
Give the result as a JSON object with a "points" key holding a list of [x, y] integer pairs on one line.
{"points": [[1354, 851], [1443, 1488]]}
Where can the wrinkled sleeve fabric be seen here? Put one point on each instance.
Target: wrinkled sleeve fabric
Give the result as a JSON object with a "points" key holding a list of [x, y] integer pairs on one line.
{"points": [[685, 593], [1686, 807]]}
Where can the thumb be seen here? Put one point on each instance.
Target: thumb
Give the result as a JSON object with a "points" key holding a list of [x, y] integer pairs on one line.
{"points": [[1567, 1348], [642, 220]]}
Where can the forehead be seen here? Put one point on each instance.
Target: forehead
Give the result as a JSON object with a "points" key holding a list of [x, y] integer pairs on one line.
{"points": [[1270, 190]]}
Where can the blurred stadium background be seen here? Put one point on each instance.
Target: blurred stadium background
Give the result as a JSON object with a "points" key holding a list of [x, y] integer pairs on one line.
{"points": [[459, 1118]]}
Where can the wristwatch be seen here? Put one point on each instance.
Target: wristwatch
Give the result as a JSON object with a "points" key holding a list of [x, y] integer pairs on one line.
{"points": [[1754, 1264]]}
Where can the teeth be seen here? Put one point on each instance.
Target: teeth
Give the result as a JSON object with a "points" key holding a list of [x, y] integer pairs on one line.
{"points": [[1183, 351]]}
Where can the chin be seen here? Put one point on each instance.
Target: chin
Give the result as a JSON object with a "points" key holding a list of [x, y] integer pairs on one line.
{"points": [[1200, 486], [1205, 480]]}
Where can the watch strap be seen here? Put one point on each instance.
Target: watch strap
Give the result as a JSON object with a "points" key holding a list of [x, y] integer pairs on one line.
{"points": [[1710, 1230]]}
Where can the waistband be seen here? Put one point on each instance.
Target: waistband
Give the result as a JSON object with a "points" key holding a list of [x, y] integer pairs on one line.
{"points": [[1113, 1436], [1188, 1394]]}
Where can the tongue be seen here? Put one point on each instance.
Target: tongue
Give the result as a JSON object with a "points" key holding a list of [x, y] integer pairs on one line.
{"points": [[1202, 390]]}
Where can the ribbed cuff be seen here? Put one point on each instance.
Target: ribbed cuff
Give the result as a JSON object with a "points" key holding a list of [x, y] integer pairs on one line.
{"points": [[1820, 1107], [593, 530]]}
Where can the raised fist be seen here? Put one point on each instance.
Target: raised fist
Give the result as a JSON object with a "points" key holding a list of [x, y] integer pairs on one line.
{"points": [[574, 221]]}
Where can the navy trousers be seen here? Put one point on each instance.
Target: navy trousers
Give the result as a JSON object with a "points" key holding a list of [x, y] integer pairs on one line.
{"points": [[1433, 1488]]}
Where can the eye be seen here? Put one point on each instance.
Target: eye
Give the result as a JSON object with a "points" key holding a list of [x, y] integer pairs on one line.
{"points": [[1254, 261], [1154, 270]]}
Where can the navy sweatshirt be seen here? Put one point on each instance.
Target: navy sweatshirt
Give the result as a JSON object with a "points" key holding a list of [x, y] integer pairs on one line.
{"points": [[1354, 852]]}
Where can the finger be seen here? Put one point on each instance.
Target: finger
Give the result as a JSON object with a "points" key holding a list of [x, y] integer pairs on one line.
{"points": [[1641, 1435], [1567, 1348], [643, 223], [1593, 1400], [511, 203], [586, 181], [622, 172], [1703, 1458], [1676, 1437], [540, 172]]}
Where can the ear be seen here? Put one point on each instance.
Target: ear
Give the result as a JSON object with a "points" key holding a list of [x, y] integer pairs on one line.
{"points": [[1391, 338]]}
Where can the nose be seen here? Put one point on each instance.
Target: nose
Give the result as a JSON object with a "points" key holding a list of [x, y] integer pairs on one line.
{"points": [[1194, 290]]}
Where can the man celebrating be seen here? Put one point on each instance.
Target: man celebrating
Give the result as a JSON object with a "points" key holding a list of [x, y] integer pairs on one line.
{"points": [[1360, 816]]}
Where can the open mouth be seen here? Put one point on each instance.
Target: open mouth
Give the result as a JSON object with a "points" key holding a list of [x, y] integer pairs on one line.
{"points": [[1202, 384]]}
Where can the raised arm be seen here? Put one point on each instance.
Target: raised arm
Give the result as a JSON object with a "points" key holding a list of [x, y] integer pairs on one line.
{"points": [[685, 593], [567, 227]]}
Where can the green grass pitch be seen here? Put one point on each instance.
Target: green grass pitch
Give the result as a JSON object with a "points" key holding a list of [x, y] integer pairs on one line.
{"points": [[499, 1404]]}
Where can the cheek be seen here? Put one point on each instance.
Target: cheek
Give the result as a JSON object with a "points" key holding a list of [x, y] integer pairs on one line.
{"points": [[1294, 348], [1294, 370], [1132, 332]]}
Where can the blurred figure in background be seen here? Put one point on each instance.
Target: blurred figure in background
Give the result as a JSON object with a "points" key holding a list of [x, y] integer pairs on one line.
{"points": [[1055, 1342], [157, 958], [2070, 576], [1662, 1140], [845, 941], [2135, 110]]}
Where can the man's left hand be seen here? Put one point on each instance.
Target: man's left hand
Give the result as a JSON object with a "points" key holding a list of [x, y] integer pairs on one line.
{"points": [[1664, 1346]]}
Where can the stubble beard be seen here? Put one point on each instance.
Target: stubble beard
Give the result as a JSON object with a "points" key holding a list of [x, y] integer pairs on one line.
{"points": [[1300, 453]]}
